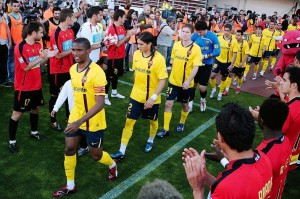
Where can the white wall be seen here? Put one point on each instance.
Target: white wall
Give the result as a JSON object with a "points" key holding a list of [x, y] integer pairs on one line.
{"points": [[260, 6]]}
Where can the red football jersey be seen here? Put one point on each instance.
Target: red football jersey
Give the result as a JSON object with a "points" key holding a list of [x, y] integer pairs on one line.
{"points": [[113, 51], [63, 41], [291, 128], [245, 178], [30, 80], [279, 152]]}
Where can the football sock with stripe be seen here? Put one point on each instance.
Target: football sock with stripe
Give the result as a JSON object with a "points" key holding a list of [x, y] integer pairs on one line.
{"points": [[167, 119]]}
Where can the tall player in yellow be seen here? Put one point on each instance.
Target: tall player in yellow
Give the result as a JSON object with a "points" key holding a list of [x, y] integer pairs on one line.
{"points": [[279, 33], [239, 58], [87, 116], [186, 58], [257, 47], [223, 61], [268, 33], [150, 74]]}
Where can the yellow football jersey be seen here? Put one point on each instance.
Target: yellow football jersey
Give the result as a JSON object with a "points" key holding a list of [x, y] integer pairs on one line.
{"points": [[280, 33], [179, 73], [257, 45], [226, 49], [146, 79], [86, 85], [241, 49], [291, 27], [269, 40]]}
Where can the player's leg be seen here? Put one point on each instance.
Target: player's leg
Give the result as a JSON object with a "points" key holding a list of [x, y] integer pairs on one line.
{"points": [[213, 81], [240, 79], [151, 114], [183, 97], [71, 141], [95, 142], [134, 111], [118, 65], [203, 82], [54, 91], [265, 62], [224, 73], [12, 129]]}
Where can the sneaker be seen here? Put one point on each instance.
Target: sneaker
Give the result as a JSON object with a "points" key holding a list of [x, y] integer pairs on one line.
{"points": [[118, 156], [271, 68], [212, 94], [202, 105], [254, 77], [56, 127], [107, 102], [237, 91], [82, 151], [169, 68], [118, 95], [13, 148], [162, 133], [39, 136], [113, 173], [130, 70], [63, 191], [180, 127], [190, 106], [7, 84], [234, 81], [219, 97], [262, 73], [225, 93], [148, 147]]}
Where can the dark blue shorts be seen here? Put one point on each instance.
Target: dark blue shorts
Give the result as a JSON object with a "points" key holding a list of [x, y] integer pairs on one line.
{"points": [[238, 71], [136, 109], [268, 54], [222, 68], [94, 139], [203, 75], [182, 96], [254, 60]]}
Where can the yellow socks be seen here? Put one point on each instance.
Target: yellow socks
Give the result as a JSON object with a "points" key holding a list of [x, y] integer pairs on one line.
{"points": [[264, 65], [273, 61], [222, 86], [240, 81], [167, 119], [227, 83], [213, 83], [153, 128], [246, 69], [70, 164], [183, 117], [127, 131], [255, 68], [106, 159]]}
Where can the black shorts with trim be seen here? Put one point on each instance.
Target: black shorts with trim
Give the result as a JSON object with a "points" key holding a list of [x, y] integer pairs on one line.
{"points": [[221, 67], [268, 54], [182, 96], [203, 75], [27, 100], [94, 139], [115, 67], [238, 71], [254, 60], [276, 53], [57, 81], [136, 110]]}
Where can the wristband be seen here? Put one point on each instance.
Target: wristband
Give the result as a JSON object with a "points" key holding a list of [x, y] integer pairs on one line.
{"points": [[153, 97], [224, 162]]}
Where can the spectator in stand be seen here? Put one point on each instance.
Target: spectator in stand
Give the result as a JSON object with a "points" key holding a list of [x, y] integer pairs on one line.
{"points": [[80, 12], [285, 23], [110, 4], [213, 10]]}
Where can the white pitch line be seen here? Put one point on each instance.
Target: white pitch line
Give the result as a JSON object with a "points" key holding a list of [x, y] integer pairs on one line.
{"points": [[118, 190], [196, 104]]}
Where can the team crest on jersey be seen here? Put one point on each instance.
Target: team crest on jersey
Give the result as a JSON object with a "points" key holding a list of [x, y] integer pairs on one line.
{"points": [[21, 60], [215, 65]]}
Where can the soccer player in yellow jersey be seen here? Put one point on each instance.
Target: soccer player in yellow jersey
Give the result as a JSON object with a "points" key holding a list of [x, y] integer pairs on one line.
{"points": [[87, 116], [150, 74], [279, 33], [257, 47], [223, 61], [268, 33], [293, 25], [239, 58], [186, 58]]}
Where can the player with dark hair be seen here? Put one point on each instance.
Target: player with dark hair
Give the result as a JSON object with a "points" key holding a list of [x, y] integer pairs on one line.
{"points": [[116, 53], [87, 116], [186, 59], [223, 61], [51, 24], [28, 96], [237, 66], [290, 85], [249, 172], [61, 40], [210, 47], [150, 74]]}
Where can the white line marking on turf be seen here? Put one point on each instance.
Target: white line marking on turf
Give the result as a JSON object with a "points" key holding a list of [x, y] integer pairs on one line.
{"points": [[196, 104], [118, 190]]}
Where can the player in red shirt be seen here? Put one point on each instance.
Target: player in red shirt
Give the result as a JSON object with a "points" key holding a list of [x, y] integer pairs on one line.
{"points": [[249, 173], [290, 85], [62, 40], [116, 53], [275, 145], [28, 84]]}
